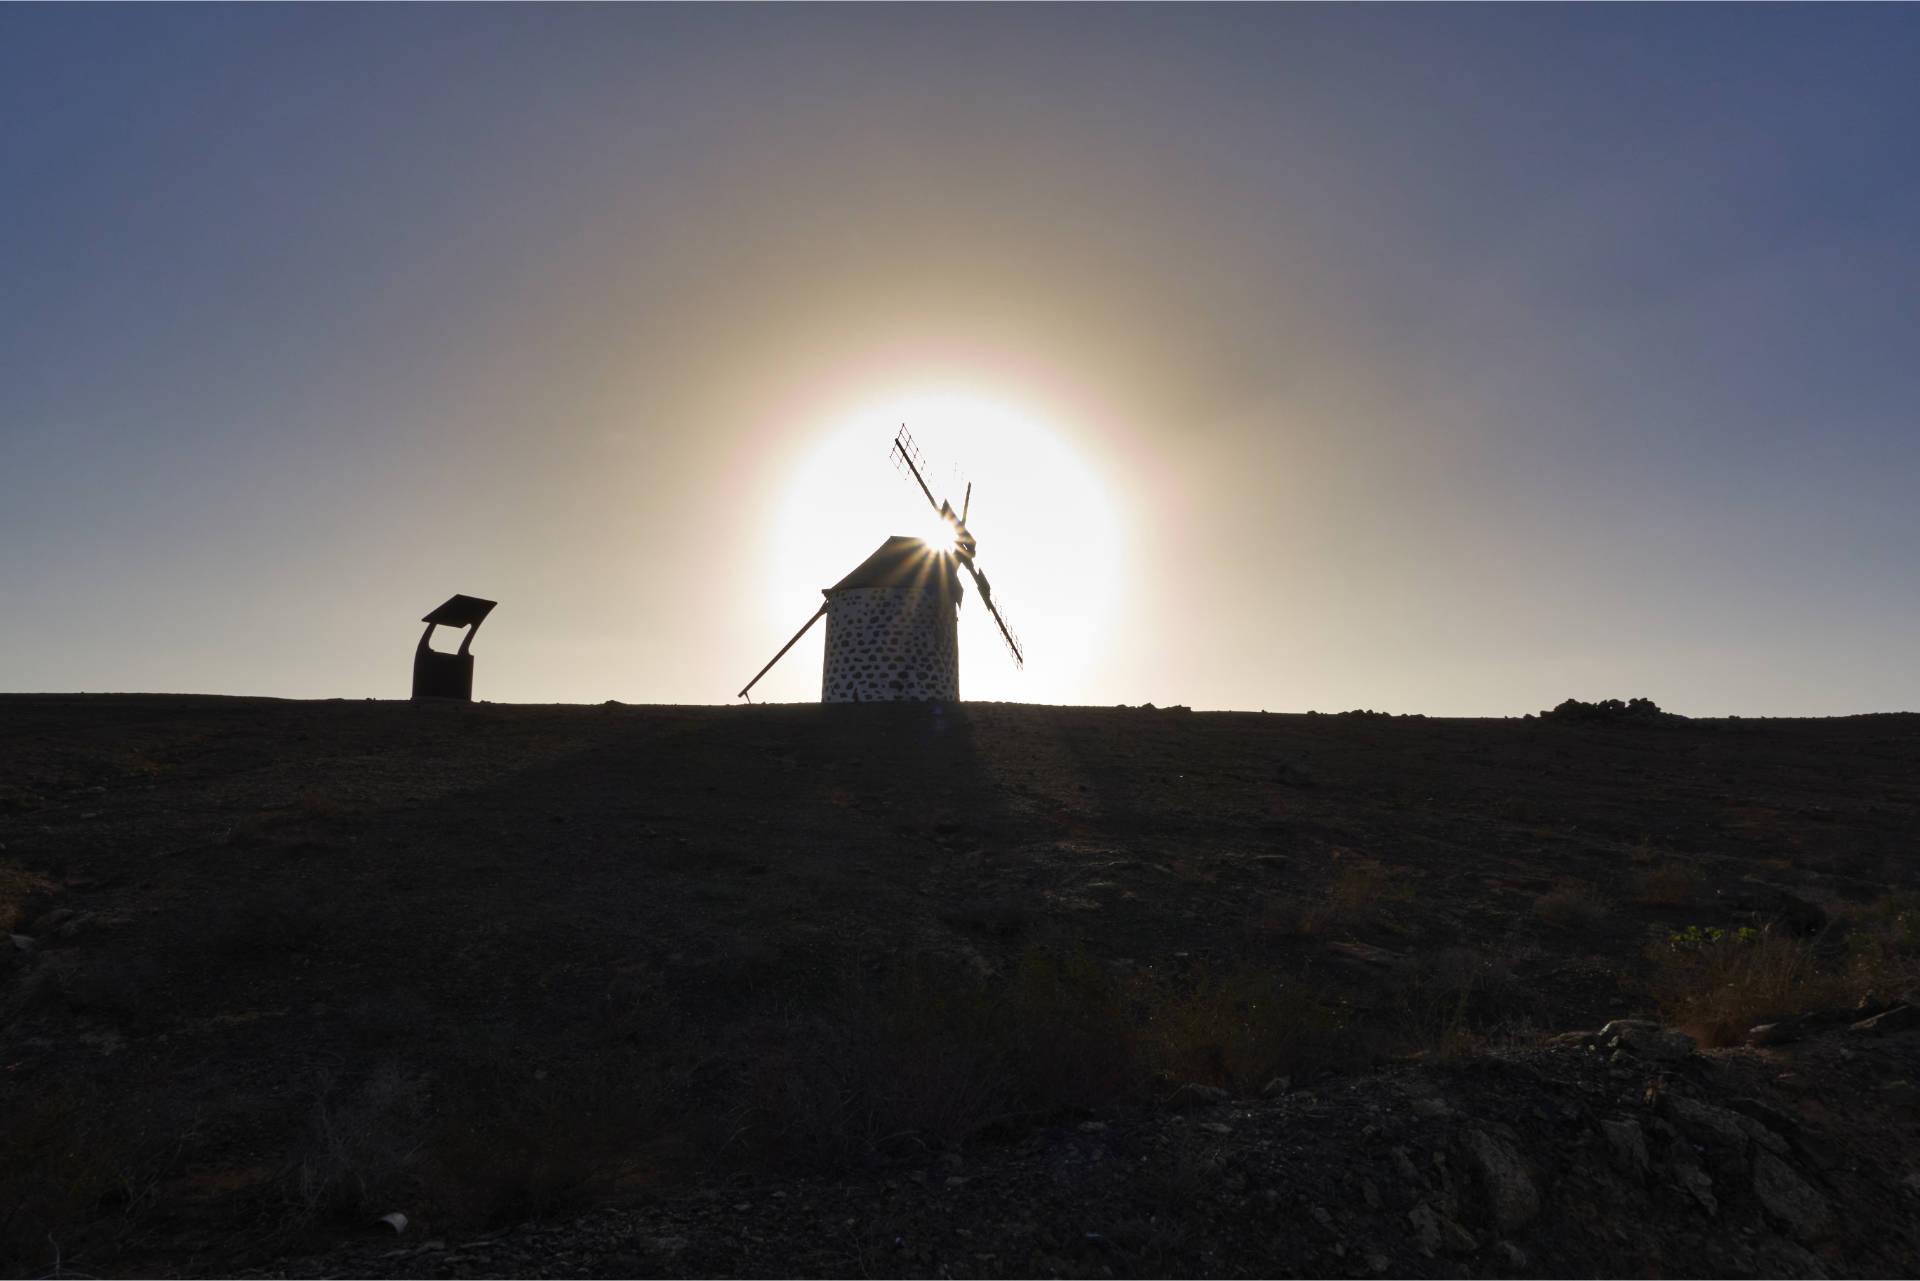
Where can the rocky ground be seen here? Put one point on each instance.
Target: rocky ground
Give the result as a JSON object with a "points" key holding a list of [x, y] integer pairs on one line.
{"points": [[1575, 1160], [988, 990]]}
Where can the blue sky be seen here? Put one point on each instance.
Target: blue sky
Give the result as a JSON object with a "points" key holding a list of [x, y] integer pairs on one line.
{"points": [[1432, 358]]}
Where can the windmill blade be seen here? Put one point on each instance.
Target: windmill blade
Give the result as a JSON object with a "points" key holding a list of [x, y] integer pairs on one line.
{"points": [[986, 596], [966, 504], [782, 654], [905, 450]]}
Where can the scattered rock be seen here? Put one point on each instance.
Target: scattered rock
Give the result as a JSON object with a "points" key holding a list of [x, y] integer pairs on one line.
{"points": [[1897, 1019], [1647, 1039], [1366, 953], [1627, 1144], [1435, 1231], [1717, 1127], [52, 921], [1790, 1200], [1195, 1095], [1698, 1184], [1510, 1188]]}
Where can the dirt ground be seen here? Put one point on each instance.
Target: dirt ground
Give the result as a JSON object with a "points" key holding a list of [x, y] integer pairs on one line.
{"points": [[626, 990]]}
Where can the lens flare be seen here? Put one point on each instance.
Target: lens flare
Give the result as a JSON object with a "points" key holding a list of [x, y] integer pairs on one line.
{"points": [[939, 536]]}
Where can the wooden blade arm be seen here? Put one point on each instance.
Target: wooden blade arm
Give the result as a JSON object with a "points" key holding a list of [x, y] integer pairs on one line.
{"points": [[783, 651], [986, 595]]}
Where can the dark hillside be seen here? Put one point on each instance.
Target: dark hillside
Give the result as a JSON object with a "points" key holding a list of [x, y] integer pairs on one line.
{"points": [[995, 990]]}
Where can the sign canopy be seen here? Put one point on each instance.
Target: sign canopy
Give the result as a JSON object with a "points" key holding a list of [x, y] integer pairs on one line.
{"points": [[461, 611]]}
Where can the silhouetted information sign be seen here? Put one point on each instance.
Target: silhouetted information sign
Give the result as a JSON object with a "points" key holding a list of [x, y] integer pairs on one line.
{"points": [[438, 675]]}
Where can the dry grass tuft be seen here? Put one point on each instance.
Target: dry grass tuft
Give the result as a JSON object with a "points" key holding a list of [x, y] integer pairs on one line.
{"points": [[1883, 946], [1719, 983], [1241, 1029], [63, 1159], [361, 1148], [1671, 884], [1455, 1001], [1355, 900], [318, 804], [1571, 904], [932, 1056], [17, 886]]}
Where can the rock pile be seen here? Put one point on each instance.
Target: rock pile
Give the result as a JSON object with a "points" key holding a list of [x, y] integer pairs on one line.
{"points": [[1609, 709]]}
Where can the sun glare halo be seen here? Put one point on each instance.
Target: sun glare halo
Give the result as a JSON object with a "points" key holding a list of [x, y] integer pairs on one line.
{"points": [[1050, 537]]}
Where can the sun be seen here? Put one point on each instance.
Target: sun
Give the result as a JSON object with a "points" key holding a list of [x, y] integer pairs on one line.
{"points": [[939, 536], [1050, 542]]}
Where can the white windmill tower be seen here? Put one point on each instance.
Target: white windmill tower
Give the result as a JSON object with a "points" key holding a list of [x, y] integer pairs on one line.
{"points": [[892, 632]]}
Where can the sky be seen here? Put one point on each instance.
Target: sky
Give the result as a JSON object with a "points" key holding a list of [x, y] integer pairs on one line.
{"points": [[1453, 360]]}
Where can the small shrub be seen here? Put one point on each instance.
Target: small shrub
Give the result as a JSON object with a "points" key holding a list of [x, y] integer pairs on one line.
{"points": [[18, 887], [1354, 899], [1719, 983], [1003, 916], [1453, 1000], [15, 799], [267, 923], [317, 804], [62, 1155], [359, 1155], [1275, 920], [1669, 885], [251, 830], [1696, 938], [1895, 918], [513, 1141], [909, 1056], [1068, 1032], [932, 1055], [1570, 905], [1240, 1029], [1883, 947]]}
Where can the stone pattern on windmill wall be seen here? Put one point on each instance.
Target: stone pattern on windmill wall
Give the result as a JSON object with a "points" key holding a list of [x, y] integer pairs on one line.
{"points": [[890, 644]]}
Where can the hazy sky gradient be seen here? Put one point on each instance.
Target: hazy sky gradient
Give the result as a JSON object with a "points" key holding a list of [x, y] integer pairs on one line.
{"points": [[1452, 360]]}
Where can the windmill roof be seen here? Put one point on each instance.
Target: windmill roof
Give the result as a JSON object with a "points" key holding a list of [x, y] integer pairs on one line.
{"points": [[902, 561]]}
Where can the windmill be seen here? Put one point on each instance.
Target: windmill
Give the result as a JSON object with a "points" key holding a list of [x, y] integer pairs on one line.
{"points": [[891, 622]]}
